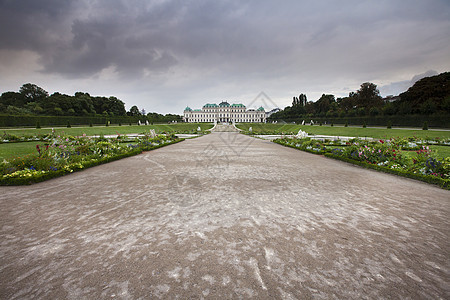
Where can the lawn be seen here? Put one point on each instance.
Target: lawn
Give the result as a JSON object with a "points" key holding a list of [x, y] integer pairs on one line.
{"points": [[8, 150], [107, 130], [30, 162], [378, 133], [441, 151]]}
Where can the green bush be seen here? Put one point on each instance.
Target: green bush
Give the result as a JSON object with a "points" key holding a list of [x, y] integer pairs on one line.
{"points": [[68, 124], [77, 154], [425, 125], [386, 156], [38, 125], [389, 125]]}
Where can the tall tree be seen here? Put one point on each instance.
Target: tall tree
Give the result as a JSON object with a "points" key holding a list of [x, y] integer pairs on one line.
{"points": [[302, 99], [369, 96], [134, 111], [33, 93]]}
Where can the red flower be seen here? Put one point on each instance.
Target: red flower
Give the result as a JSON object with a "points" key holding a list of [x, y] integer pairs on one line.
{"points": [[381, 141]]}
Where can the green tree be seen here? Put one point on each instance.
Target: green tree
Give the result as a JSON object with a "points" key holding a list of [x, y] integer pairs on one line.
{"points": [[116, 106], [429, 106], [368, 96], [434, 88], [13, 98], [33, 93], [134, 111], [324, 104]]}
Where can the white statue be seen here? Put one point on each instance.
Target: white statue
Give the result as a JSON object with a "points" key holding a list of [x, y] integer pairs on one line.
{"points": [[199, 129], [302, 134], [303, 123], [250, 129]]}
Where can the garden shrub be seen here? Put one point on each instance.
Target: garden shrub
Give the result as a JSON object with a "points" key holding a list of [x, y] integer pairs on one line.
{"points": [[68, 154], [382, 155]]}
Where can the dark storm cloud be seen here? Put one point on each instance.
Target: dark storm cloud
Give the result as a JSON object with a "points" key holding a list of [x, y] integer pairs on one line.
{"points": [[248, 46], [84, 37], [31, 25]]}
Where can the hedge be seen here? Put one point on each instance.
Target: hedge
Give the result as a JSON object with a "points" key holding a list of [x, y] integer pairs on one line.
{"points": [[436, 121], [25, 121]]}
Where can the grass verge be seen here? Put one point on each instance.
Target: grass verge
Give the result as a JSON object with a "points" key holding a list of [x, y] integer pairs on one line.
{"points": [[378, 133], [110, 130]]}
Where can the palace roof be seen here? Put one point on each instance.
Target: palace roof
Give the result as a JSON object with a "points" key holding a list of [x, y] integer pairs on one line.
{"points": [[210, 105]]}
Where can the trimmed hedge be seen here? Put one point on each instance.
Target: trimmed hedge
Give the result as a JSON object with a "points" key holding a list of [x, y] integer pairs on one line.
{"points": [[74, 168], [443, 183], [25, 121], [436, 121]]}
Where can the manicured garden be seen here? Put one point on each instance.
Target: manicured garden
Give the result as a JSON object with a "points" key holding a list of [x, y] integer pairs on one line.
{"points": [[109, 130], [31, 155], [408, 157], [374, 132], [56, 155]]}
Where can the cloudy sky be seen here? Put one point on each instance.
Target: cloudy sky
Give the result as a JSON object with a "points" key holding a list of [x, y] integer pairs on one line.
{"points": [[163, 55]]}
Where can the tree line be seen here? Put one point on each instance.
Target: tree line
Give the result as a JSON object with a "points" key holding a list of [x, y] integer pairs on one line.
{"points": [[428, 96], [34, 100]]}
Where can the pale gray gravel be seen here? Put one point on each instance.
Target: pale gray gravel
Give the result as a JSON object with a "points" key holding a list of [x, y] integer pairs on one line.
{"points": [[225, 216]]}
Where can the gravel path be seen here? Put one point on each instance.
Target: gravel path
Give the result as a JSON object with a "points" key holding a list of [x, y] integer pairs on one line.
{"points": [[225, 216]]}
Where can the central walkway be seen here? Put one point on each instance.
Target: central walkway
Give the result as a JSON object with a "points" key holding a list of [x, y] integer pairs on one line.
{"points": [[225, 216]]}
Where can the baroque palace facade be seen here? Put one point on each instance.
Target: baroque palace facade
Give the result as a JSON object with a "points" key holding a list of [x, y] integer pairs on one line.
{"points": [[224, 112]]}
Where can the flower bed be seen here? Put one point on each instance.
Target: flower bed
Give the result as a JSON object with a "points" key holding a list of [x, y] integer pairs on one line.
{"points": [[404, 157], [66, 154]]}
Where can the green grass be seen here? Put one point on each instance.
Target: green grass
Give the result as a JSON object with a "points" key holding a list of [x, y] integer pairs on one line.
{"points": [[442, 151], [124, 129], [8, 150], [379, 133]]}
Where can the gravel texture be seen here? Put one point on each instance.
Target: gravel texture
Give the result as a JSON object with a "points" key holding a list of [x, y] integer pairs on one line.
{"points": [[225, 216]]}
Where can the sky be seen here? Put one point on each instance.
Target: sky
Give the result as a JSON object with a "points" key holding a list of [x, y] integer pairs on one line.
{"points": [[164, 55]]}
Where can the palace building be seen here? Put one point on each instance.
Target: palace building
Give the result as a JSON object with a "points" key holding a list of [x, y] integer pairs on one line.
{"points": [[224, 112]]}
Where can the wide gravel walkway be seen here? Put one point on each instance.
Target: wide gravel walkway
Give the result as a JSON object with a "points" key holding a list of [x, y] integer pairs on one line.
{"points": [[225, 216]]}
